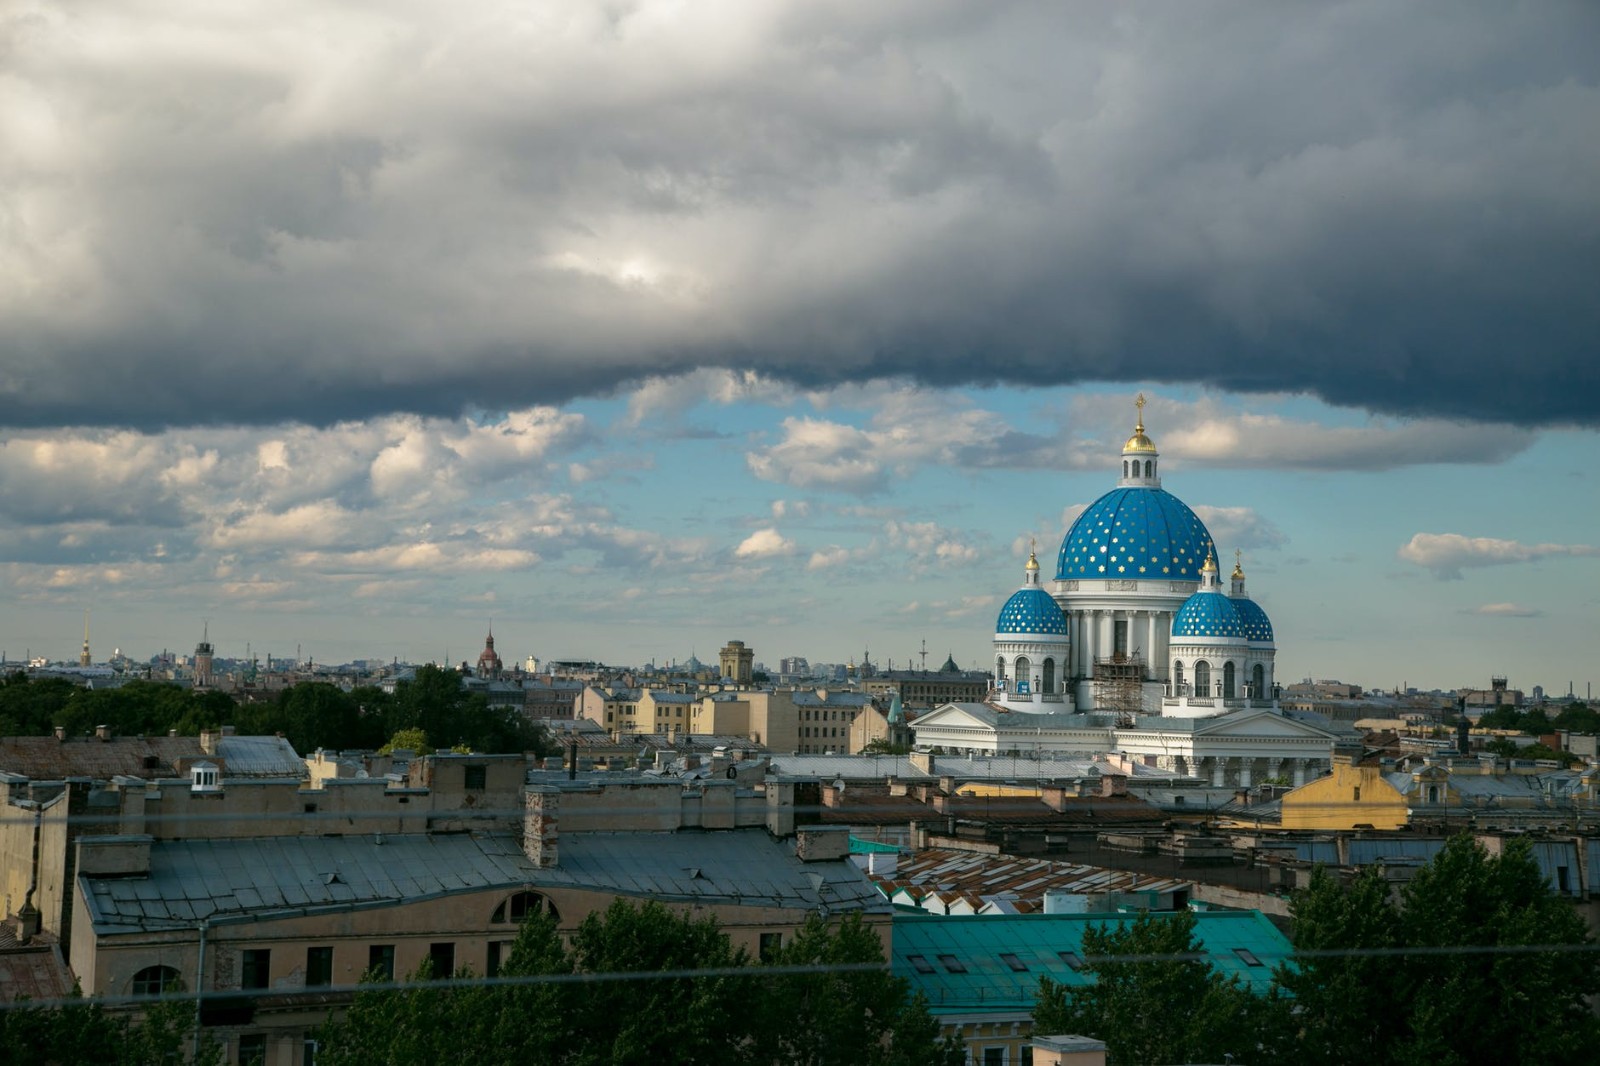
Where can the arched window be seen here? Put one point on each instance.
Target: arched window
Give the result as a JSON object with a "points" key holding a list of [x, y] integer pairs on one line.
{"points": [[1227, 680], [1202, 678], [1000, 668], [1258, 681], [1024, 675], [1149, 468], [154, 980], [522, 906], [1124, 468], [1177, 677], [1433, 793], [1049, 685]]}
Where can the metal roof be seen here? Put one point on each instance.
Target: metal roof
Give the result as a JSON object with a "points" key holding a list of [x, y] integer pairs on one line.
{"points": [[216, 879], [49, 759], [253, 879], [957, 963], [747, 866], [949, 874], [260, 757]]}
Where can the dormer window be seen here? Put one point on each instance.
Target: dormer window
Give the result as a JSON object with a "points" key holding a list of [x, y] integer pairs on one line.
{"points": [[205, 777]]}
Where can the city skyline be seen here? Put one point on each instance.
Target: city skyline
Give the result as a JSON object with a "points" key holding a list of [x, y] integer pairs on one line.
{"points": [[637, 329]]}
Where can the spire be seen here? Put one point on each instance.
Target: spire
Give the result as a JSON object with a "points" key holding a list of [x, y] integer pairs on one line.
{"points": [[1139, 456], [1238, 574], [1208, 571], [84, 659], [1030, 572]]}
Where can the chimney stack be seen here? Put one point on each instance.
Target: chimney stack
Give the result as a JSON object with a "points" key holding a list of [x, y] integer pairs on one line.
{"points": [[541, 811]]}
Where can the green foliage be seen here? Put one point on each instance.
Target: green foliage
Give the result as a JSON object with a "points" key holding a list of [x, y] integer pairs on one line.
{"points": [[1169, 1006], [412, 740], [746, 1017], [1440, 1005], [844, 1016], [1578, 718], [882, 746], [81, 1031]]}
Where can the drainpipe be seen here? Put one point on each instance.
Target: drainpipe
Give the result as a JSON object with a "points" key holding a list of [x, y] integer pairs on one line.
{"points": [[199, 986]]}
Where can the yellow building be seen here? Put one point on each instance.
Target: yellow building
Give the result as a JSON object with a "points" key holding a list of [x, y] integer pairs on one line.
{"points": [[1351, 796]]}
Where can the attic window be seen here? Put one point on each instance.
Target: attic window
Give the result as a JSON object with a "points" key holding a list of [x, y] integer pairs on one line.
{"points": [[920, 964], [152, 763], [477, 777], [1073, 960], [1248, 957], [1016, 964], [953, 964]]}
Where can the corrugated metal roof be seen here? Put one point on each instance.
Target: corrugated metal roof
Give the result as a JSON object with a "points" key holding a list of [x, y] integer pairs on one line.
{"points": [[260, 757], [958, 963], [748, 866], [951, 874], [49, 759], [194, 879]]}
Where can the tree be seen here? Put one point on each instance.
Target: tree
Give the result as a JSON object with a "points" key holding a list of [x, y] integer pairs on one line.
{"points": [[1340, 996], [412, 740], [845, 1016], [1479, 1005], [1168, 1006]]}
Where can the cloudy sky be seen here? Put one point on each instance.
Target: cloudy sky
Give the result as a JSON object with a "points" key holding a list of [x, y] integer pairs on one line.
{"points": [[636, 327]]}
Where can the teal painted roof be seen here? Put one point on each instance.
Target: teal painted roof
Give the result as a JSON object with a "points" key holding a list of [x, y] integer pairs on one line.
{"points": [[1135, 532], [867, 847], [1002, 957]]}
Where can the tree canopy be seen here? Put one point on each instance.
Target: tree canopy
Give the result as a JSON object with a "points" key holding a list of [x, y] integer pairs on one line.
{"points": [[1475, 961], [696, 1011], [310, 715]]}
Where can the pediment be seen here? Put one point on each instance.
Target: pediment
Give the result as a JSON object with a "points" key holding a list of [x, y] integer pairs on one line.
{"points": [[1260, 724], [950, 716]]}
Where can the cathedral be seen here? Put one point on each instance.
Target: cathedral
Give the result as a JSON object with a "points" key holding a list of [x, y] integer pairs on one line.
{"points": [[1136, 647]]}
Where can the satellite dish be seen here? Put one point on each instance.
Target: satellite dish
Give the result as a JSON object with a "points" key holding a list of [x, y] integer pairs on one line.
{"points": [[838, 785]]}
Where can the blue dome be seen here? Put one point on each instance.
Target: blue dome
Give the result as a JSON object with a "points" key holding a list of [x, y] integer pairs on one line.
{"points": [[1207, 614], [1257, 627], [1135, 533], [1031, 610]]}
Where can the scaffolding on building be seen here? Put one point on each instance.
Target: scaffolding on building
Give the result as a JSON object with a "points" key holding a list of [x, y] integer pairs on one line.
{"points": [[1119, 686]]}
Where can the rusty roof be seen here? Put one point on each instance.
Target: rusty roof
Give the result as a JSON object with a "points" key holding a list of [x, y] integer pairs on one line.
{"points": [[49, 759], [974, 877], [34, 971]]}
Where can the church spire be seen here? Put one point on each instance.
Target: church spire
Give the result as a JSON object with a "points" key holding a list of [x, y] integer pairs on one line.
{"points": [[1139, 456], [1238, 574]]}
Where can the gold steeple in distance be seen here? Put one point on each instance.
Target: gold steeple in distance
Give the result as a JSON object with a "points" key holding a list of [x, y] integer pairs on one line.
{"points": [[1210, 566], [1139, 442], [1033, 554], [1238, 565]]}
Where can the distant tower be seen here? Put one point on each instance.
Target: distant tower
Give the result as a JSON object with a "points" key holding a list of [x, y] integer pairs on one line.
{"points": [[202, 659], [738, 662], [84, 658], [489, 664]]}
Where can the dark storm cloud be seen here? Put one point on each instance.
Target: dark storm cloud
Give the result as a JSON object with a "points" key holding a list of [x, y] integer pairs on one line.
{"points": [[266, 216]]}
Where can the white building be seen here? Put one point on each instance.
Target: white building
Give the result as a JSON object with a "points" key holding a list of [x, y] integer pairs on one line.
{"points": [[1138, 610]]}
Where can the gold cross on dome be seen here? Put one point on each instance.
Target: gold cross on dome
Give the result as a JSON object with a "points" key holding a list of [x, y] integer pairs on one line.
{"points": [[1139, 403]]}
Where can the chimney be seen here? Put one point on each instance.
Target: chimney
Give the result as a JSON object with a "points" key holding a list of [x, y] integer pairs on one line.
{"points": [[208, 742], [27, 923], [61, 732], [1113, 785], [541, 810], [102, 732]]}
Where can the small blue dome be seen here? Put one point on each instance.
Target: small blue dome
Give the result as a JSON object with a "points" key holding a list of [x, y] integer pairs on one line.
{"points": [[1135, 533], [1207, 614], [1031, 610], [1257, 627]]}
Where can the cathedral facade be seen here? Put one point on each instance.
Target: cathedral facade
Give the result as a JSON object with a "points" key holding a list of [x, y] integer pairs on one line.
{"points": [[1137, 647]]}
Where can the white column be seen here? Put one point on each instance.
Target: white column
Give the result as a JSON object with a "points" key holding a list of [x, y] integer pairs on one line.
{"points": [[1245, 766], [1152, 650]]}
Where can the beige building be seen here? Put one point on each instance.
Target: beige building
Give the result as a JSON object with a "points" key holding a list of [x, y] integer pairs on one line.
{"points": [[738, 662], [284, 896], [808, 721]]}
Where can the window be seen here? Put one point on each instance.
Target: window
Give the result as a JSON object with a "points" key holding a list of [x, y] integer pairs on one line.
{"points": [[499, 952], [1073, 960], [994, 1056], [319, 967], [311, 808], [255, 970], [1202, 678], [1258, 681], [771, 943], [1016, 964], [1177, 677], [1357, 794], [1227, 680], [1248, 957], [443, 957], [253, 1049], [523, 906], [1119, 638], [1149, 468], [380, 961], [154, 980], [920, 964], [1049, 676], [953, 964], [477, 777]]}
